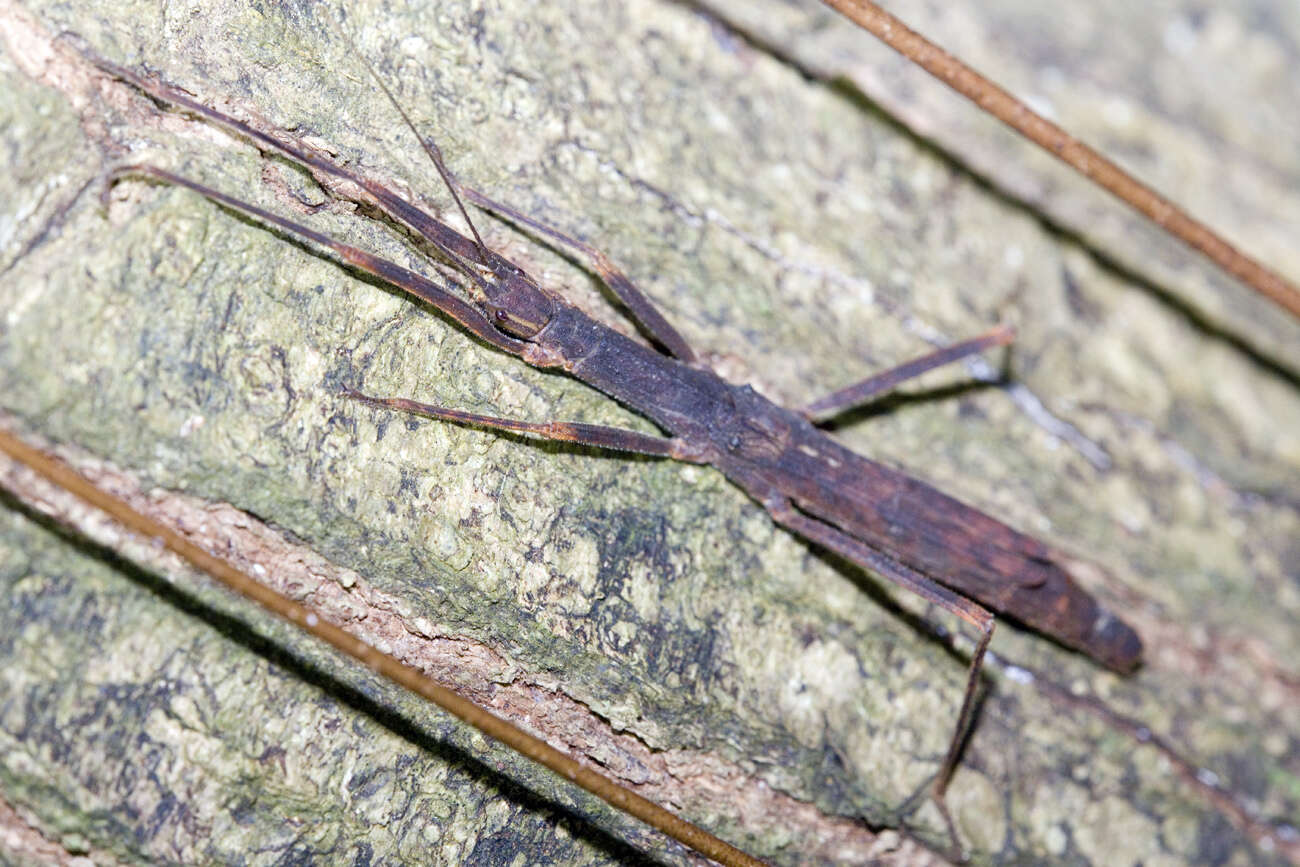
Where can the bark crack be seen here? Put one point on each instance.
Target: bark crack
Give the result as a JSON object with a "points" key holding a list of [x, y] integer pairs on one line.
{"points": [[704, 781]]}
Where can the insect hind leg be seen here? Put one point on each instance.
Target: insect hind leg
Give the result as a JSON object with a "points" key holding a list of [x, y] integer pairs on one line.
{"points": [[785, 513]]}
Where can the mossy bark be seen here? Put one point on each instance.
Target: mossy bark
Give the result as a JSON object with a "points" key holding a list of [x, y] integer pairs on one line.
{"points": [[641, 612]]}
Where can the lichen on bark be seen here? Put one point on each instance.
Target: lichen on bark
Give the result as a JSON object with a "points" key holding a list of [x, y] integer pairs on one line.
{"points": [[658, 621]]}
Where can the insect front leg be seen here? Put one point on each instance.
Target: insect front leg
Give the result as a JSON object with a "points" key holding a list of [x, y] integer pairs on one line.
{"points": [[643, 311], [391, 274]]}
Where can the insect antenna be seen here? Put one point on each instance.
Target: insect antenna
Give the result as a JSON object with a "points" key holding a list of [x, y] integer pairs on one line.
{"points": [[430, 146]]}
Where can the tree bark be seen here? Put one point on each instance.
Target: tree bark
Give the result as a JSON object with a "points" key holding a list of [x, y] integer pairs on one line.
{"points": [[640, 613]]}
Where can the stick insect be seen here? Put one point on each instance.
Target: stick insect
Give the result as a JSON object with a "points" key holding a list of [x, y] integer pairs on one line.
{"points": [[957, 558], [663, 471]]}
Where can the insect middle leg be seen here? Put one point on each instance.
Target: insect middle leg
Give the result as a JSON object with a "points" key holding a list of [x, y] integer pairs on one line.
{"points": [[860, 392], [598, 436]]}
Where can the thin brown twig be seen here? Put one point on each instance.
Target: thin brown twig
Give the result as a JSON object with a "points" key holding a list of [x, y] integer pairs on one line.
{"points": [[1065, 147], [61, 474]]}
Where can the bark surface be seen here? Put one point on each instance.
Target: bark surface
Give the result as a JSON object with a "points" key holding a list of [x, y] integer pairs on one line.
{"points": [[641, 613]]}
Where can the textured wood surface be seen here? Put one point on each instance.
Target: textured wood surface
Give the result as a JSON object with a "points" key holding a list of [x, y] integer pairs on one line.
{"points": [[641, 613]]}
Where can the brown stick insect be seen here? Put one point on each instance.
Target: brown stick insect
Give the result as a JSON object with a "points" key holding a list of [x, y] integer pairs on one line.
{"points": [[662, 468], [954, 556]]}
